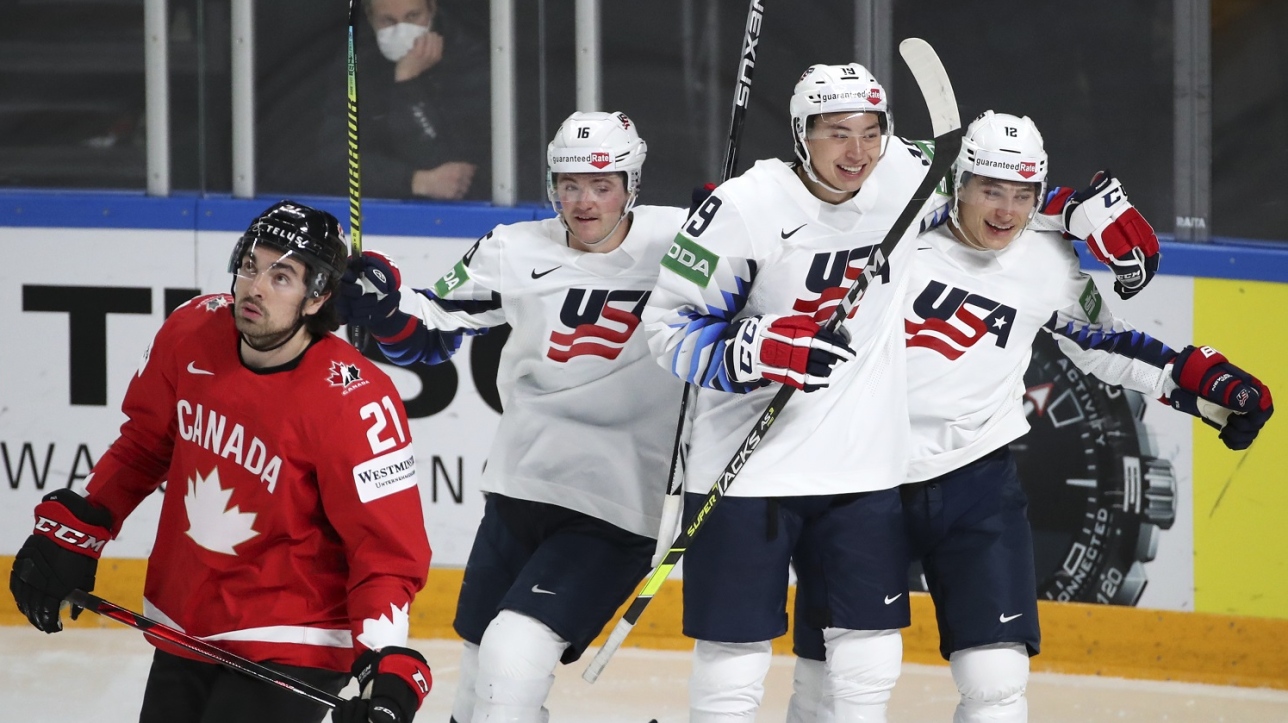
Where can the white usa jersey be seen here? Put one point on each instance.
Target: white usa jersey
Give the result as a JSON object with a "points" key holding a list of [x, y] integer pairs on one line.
{"points": [[970, 320], [762, 244], [589, 418]]}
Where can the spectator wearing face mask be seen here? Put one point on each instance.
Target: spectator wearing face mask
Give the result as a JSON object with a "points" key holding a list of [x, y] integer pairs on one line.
{"points": [[423, 98]]}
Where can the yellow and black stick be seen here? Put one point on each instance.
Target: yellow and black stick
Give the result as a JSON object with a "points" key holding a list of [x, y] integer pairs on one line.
{"points": [[357, 335]]}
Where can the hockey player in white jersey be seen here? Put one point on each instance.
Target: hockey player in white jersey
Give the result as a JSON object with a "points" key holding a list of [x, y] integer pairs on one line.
{"points": [[986, 283], [577, 471], [738, 305]]}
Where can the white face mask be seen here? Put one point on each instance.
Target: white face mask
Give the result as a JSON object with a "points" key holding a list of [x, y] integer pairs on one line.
{"points": [[395, 41]]}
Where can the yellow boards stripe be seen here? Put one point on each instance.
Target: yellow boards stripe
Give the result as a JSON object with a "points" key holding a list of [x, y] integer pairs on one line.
{"points": [[1241, 498]]}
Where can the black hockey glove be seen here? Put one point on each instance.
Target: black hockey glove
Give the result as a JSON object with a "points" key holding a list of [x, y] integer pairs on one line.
{"points": [[392, 682], [369, 295], [1221, 394], [61, 555]]}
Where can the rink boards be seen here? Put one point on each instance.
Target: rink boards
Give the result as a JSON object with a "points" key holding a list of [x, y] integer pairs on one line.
{"points": [[89, 278]]}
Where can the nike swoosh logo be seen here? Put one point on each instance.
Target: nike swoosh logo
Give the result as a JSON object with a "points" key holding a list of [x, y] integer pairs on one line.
{"points": [[789, 234], [192, 369], [892, 599], [1008, 618], [537, 588], [535, 275]]}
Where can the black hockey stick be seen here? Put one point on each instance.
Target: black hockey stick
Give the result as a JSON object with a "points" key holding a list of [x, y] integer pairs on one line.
{"points": [[165, 633], [357, 335], [738, 116], [946, 122]]}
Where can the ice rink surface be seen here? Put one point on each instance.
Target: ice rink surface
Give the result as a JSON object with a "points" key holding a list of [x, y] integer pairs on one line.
{"points": [[97, 675]]}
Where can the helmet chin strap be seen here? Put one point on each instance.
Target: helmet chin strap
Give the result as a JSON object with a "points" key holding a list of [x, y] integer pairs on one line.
{"points": [[808, 163], [288, 335]]}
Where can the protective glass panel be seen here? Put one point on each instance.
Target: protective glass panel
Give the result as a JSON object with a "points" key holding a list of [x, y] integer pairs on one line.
{"points": [[424, 118], [71, 94]]}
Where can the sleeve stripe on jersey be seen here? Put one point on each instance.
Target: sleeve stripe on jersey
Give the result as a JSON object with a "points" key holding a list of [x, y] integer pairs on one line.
{"points": [[464, 306], [1129, 343]]}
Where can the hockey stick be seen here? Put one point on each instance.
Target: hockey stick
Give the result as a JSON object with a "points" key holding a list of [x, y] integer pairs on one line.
{"points": [[672, 506], [357, 335], [165, 633], [946, 122]]}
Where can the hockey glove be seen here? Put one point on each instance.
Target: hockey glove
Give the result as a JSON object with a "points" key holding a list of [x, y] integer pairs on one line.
{"points": [[369, 295], [793, 350], [392, 682], [1205, 378], [1114, 230], [61, 555]]}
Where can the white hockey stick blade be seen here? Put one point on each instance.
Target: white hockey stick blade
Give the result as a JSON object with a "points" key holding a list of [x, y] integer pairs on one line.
{"points": [[615, 640], [933, 81]]}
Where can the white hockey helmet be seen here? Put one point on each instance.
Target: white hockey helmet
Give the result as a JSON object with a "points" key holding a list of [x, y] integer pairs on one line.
{"points": [[836, 89], [1002, 146], [597, 142]]}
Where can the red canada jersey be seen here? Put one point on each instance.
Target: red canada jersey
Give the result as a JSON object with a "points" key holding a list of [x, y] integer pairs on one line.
{"points": [[291, 528]]}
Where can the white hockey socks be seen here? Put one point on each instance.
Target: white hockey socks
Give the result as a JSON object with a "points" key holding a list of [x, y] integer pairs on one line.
{"points": [[516, 664], [862, 668], [811, 701], [463, 703], [992, 680], [728, 681]]}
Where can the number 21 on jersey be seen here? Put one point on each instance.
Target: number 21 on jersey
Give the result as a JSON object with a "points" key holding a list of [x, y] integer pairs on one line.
{"points": [[380, 439]]}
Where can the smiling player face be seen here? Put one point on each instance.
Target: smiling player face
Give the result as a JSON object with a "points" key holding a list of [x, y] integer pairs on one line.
{"points": [[992, 213], [844, 148]]}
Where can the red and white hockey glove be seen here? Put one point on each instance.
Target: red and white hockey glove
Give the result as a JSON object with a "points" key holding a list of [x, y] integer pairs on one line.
{"points": [[1114, 230], [59, 556], [1221, 394], [368, 295], [392, 683], [793, 350]]}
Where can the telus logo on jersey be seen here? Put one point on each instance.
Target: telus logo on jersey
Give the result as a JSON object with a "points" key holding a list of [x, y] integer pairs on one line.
{"points": [[601, 320], [955, 319], [206, 427], [830, 275]]}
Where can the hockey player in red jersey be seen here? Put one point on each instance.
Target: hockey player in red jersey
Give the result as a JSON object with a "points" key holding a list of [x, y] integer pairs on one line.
{"points": [[291, 530]]}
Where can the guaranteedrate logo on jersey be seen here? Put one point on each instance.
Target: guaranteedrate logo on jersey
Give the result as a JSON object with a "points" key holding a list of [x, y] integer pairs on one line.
{"points": [[601, 321], [955, 319], [830, 275]]}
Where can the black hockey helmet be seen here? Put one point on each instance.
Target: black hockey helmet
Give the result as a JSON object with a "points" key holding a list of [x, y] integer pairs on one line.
{"points": [[314, 236]]}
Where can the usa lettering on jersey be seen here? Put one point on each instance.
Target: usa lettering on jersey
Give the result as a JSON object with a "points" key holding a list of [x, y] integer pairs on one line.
{"points": [[953, 320], [831, 274], [601, 320]]}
